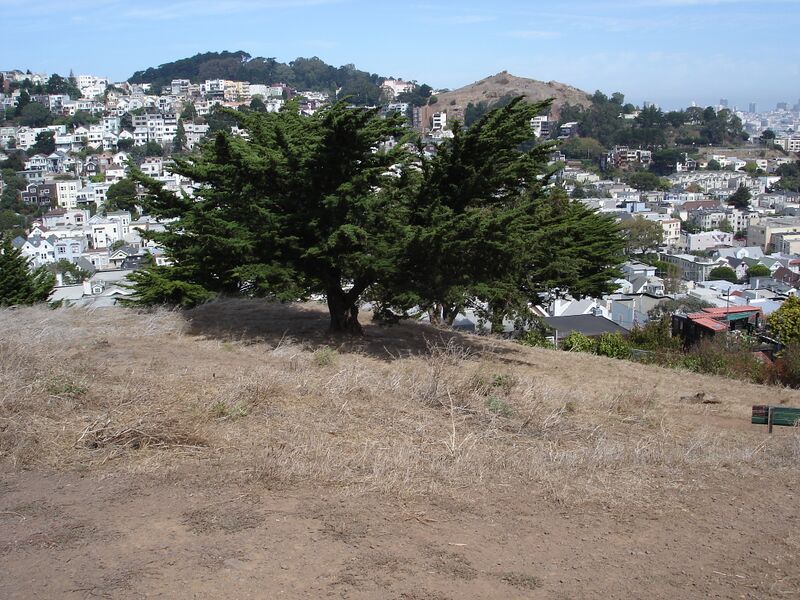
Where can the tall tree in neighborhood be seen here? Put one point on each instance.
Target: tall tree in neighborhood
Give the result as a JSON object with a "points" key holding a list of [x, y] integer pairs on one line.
{"points": [[487, 232], [723, 273], [45, 143], [18, 283], [642, 235], [35, 114], [740, 198], [122, 195], [23, 100], [314, 205], [189, 112], [305, 205], [58, 85], [758, 270], [785, 322], [179, 141]]}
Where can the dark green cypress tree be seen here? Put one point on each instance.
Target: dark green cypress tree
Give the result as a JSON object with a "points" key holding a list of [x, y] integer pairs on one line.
{"points": [[18, 283], [490, 232], [301, 206], [312, 205]]}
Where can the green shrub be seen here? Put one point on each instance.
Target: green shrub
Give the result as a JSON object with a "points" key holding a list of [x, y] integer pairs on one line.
{"points": [[325, 356], [613, 345], [727, 357], [575, 341], [786, 368], [536, 339], [655, 336], [499, 407]]}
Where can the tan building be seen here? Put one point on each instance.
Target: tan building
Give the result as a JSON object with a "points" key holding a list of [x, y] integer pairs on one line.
{"points": [[786, 243], [761, 234]]}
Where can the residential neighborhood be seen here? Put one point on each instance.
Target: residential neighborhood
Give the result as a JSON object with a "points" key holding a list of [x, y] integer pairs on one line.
{"points": [[108, 127]]}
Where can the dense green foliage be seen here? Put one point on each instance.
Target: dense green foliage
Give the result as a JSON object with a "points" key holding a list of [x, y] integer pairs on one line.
{"points": [[790, 177], [723, 273], [740, 198], [646, 181], [302, 73], [122, 195], [45, 143], [575, 341], [642, 235], [758, 271], [420, 95], [785, 322], [612, 345], [652, 128], [306, 205], [18, 283]]}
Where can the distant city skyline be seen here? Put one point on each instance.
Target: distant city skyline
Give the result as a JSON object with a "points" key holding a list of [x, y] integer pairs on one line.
{"points": [[669, 52]]}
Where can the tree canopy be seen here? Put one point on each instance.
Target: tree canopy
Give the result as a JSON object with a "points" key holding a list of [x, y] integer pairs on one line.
{"points": [[321, 205], [647, 181], [642, 235], [758, 270], [18, 283], [302, 73], [723, 273], [790, 177], [122, 195], [785, 322], [740, 198]]}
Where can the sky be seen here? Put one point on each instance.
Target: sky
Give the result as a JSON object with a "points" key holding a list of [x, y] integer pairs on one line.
{"points": [[671, 52]]}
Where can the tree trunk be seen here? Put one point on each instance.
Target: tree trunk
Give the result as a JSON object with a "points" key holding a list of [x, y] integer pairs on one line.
{"points": [[344, 314], [443, 314]]}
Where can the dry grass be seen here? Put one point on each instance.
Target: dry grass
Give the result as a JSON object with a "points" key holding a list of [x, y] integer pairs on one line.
{"points": [[262, 393]]}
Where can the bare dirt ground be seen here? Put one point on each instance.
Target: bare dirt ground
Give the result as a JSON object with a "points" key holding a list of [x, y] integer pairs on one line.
{"points": [[236, 452]]}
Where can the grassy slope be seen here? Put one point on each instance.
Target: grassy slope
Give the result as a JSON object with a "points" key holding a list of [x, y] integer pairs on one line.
{"points": [[407, 410], [245, 394]]}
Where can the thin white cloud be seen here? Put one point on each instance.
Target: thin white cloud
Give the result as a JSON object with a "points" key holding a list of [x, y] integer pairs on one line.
{"points": [[206, 8], [468, 19], [534, 34], [697, 3]]}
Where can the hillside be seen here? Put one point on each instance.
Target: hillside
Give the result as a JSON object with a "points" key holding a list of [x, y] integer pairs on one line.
{"points": [[302, 73], [236, 451], [493, 88]]}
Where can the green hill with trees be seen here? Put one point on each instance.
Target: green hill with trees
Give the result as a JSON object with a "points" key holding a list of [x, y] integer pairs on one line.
{"points": [[302, 73]]}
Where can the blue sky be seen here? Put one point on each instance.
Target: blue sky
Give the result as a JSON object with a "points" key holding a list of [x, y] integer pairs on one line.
{"points": [[669, 51]]}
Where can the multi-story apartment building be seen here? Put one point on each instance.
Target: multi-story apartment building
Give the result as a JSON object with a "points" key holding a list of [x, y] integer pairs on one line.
{"points": [[67, 193]]}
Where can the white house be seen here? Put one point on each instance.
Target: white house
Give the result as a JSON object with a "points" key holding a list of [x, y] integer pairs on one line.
{"points": [[39, 250], [67, 192], [109, 229], [70, 249], [60, 216]]}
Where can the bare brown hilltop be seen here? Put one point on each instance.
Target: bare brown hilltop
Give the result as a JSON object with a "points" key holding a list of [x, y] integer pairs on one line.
{"points": [[493, 88]]}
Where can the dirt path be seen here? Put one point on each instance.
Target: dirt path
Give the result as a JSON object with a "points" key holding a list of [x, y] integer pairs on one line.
{"points": [[127, 536]]}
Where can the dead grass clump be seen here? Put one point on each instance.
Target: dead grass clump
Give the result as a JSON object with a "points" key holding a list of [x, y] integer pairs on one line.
{"points": [[520, 580], [154, 430], [228, 519]]}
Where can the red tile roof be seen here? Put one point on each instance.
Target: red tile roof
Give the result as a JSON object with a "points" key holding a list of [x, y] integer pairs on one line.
{"points": [[711, 324], [731, 309], [711, 318]]}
